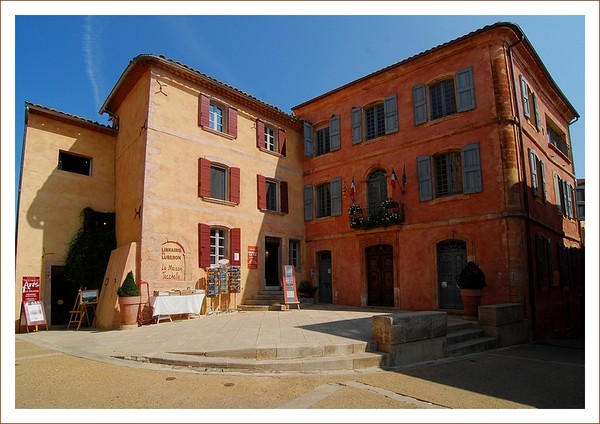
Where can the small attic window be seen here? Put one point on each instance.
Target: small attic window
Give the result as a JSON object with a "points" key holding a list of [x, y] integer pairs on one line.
{"points": [[74, 163]]}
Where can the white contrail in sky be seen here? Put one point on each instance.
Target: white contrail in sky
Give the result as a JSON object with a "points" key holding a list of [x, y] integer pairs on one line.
{"points": [[88, 58]]}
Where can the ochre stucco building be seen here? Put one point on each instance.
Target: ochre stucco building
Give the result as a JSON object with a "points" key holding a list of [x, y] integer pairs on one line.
{"points": [[459, 153]]}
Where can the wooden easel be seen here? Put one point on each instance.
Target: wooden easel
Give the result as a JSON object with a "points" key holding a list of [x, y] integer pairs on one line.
{"points": [[79, 312]]}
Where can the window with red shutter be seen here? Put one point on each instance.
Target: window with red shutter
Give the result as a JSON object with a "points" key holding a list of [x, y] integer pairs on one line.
{"points": [[203, 245], [236, 243], [234, 185], [260, 134], [261, 192], [203, 111], [232, 122], [203, 177], [281, 141], [283, 189]]}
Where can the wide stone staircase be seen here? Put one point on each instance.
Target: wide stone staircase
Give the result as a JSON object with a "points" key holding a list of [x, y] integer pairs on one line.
{"points": [[304, 358], [268, 299], [466, 337]]}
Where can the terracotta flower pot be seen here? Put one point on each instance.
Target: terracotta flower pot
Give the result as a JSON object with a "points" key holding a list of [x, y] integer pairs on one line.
{"points": [[129, 306], [471, 301]]}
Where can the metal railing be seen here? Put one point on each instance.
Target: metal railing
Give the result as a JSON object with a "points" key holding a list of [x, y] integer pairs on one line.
{"points": [[365, 218]]}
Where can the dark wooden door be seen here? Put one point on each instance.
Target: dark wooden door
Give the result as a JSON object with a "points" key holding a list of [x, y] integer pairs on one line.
{"points": [[452, 257], [62, 295], [380, 275], [324, 264]]}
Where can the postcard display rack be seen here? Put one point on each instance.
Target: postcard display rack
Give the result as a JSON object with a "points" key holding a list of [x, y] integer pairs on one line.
{"points": [[222, 279]]}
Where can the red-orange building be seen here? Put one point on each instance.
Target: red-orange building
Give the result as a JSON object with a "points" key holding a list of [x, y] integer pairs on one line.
{"points": [[459, 153]]}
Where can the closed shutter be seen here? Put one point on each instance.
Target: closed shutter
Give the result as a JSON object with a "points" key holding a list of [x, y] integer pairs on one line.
{"points": [[204, 111], [236, 243], [283, 189], [534, 177], [425, 182], [535, 111], [465, 89], [356, 125], [261, 192], [336, 196], [308, 139], [472, 169], [525, 97], [260, 134], [420, 104], [203, 245], [281, 141], [203, 177], [234, 185], [390, 111], [232, 122], [557, 194], [308, 203], [334, 133], [569, 190]]}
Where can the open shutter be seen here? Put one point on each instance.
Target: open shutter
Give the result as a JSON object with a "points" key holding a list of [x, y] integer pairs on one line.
{"points": [[472, 169], [336, 196], [260, 134], [203, 177], [525, 97], [234, 185], [536, 113], [281, 141], [425, 182], [334, 133], [543, 180], [308, 139], [420, 104], [569, 192], [235, 256], [356, 125], [465, 89], [308, 203], [232, 122], [261, 192], [534, 173], [283, 190], [204, 111], [390, 112], [557, 194], [203, 245]]}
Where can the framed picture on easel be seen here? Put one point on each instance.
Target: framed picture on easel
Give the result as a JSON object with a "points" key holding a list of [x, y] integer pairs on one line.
{"points": [[89, 297]]}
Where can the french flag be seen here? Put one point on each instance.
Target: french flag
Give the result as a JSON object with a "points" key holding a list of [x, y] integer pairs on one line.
{"points": [[394, 178]]}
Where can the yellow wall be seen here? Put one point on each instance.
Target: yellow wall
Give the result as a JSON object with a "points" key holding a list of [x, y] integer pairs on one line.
{"points": [[51, 200]]}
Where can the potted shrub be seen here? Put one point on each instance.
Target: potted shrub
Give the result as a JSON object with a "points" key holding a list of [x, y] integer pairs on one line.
{"points": [[471, 281], [305, 289], [129, 300]]}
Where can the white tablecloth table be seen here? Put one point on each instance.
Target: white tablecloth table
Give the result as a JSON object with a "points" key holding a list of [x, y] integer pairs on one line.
{"points": [[173, 305]]}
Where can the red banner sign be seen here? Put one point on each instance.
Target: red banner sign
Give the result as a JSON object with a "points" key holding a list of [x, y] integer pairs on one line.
{"points": [[31, 289], [252, 257]]}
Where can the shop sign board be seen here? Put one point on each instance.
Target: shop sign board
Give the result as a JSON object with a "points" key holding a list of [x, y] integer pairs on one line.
{"points": [[289, 284], [252, 257], [31, 289]]}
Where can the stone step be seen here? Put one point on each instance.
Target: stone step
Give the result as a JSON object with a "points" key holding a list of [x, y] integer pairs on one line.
{"points": [[350, 362], [262, 301], [471, 346], [459, 336], [261, 307]]}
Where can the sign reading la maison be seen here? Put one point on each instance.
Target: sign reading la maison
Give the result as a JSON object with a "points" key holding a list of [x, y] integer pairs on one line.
{"points": [[172, 261]]}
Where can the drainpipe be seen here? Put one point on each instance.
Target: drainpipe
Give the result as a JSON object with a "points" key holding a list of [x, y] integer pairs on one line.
{"points": [[521, 150]]}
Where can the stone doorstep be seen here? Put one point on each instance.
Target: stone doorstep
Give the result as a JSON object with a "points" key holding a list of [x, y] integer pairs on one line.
{"points": [[471, 346], [326, 363]]}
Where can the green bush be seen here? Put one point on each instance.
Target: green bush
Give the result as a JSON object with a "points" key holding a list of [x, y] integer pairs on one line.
{"points": [[128, 288], [471, 277]]}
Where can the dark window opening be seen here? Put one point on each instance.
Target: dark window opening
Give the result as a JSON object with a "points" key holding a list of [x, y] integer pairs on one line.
{"points": [[74, 163]]}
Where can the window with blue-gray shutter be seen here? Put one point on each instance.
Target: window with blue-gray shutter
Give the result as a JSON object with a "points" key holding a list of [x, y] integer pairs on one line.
{"points": [[465, 89], [534, 177], [308, 203], [425, 180], [536, 112], [336, 196], [525, 97], [356, 125], [420, 104], [390, 107], [308, 139], [472, 169], [334, 133]]}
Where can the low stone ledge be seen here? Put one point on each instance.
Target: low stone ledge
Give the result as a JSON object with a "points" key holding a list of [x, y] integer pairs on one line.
{"points": [[500, 314]]}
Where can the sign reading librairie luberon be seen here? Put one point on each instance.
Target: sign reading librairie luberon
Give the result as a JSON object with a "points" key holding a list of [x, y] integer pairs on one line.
{"points": [[172, 261]]}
